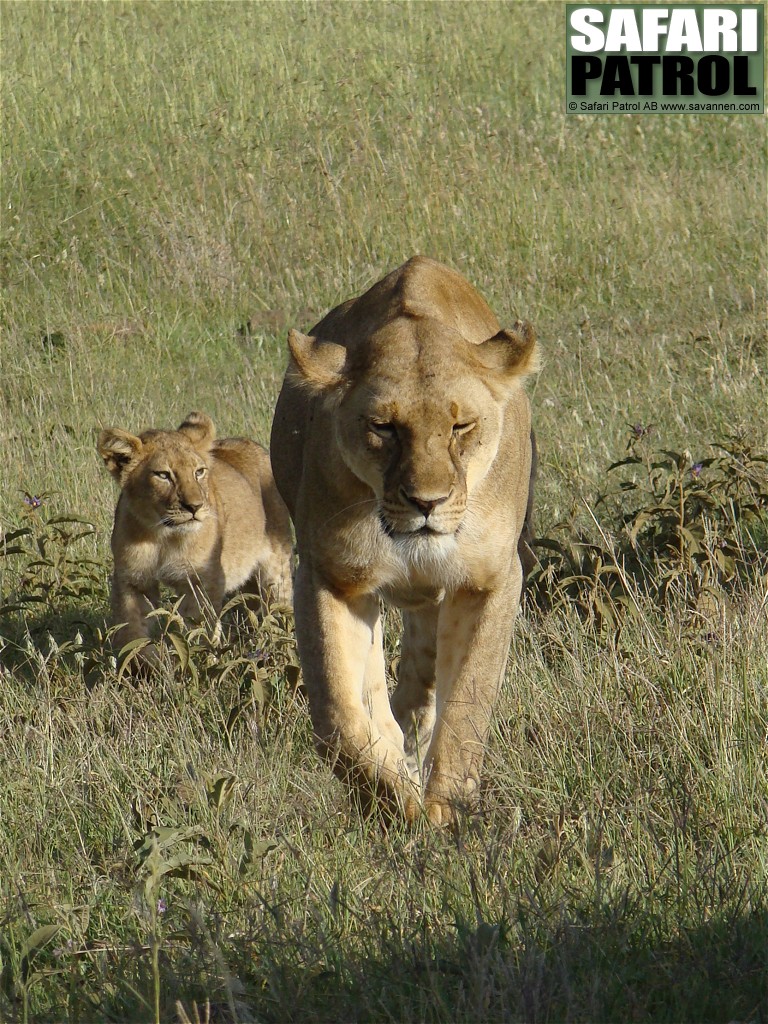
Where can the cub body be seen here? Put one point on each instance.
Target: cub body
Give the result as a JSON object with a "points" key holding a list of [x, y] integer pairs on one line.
{"points": [[402, 446], [199, 515]]}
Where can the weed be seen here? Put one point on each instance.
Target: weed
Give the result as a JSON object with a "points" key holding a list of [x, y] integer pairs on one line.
{"points": [[693, 528], [54, 568]]}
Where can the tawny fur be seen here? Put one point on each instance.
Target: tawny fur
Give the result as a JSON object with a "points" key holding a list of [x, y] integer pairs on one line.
{"points": [[402, 446], [199, 515]]}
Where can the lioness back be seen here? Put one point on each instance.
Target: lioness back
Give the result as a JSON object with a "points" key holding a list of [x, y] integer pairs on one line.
{"points": [[197, 514], [402, 446]]}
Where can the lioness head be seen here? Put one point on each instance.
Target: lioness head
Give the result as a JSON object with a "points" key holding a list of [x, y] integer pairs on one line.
{"points": [[163, 474], [418, 413]]}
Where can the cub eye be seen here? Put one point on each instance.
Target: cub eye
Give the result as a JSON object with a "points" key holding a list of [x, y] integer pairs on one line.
{"points": [[386, 430], [161, 474], [200, 473], [463, 428]]}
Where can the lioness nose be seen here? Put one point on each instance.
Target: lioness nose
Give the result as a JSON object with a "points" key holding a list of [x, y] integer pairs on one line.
{"points": [[424, 505], [192, 506]]}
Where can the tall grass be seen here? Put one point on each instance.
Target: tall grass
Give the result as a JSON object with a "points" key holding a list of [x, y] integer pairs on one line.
{"points": [[181, 183]]}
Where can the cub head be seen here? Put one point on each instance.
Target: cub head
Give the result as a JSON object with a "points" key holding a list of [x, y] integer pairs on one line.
{"points": [[163, 474], [418, 413]]}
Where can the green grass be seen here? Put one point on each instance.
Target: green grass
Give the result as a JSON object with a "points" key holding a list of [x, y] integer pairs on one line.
{"points": [[174, 172]]}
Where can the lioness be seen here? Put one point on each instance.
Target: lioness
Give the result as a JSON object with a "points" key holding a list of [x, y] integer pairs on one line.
{"points": [[402, 446], [200, 515]]}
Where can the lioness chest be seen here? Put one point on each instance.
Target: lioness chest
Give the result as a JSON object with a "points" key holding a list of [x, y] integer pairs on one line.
{"points": [[408, 571]]}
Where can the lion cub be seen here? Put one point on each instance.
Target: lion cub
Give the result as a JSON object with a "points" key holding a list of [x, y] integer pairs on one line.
{"points": [[200, 515]]}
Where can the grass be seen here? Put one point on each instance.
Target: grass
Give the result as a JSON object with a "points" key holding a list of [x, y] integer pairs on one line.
{"points": [[183, 183]]}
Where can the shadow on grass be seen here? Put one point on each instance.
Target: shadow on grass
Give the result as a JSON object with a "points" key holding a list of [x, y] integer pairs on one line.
{"points": [[575, 971], [601, 966], [27, 636], [598, 966]]}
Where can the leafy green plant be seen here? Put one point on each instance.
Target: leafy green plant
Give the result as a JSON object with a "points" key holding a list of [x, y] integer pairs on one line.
{"points": [[18, 974], [676, 524], [575, 571], [51, 567], [248, 656], [690, 519], [162, 856]]}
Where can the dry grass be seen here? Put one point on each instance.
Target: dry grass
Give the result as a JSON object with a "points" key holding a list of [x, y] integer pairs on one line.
{"points": [[181, 183]]}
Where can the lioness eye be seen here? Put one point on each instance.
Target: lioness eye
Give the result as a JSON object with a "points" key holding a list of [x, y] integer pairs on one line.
{"points": [[463, 428], [162, 474], [200, 473], [382, 429]]}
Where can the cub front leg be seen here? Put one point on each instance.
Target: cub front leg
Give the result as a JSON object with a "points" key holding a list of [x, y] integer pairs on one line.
{"points": [[200, 603], [473, 637], [130, 606], [339, 640]]}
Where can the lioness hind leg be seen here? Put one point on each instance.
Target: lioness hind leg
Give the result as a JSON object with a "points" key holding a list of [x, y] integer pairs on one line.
{"points": [[375, 695], [413, 701], [525, 549]]}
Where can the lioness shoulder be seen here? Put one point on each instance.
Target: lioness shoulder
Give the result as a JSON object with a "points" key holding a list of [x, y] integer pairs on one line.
{"points": [[402, 445], [199, 515]]}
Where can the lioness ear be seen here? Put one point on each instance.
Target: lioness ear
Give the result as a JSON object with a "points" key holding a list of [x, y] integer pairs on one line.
{"points": [[199, 429], [119, 450], [317, 363], [515, 352]]}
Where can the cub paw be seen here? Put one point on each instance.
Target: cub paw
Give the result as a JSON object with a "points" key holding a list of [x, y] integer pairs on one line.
{"points": [[138, 660]]}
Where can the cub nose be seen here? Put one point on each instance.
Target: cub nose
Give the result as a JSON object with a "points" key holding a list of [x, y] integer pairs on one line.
{"points": [[424, 505]]}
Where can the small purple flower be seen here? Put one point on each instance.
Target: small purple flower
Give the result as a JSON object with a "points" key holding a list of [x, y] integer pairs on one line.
{"points": [[33, 500], [640, 431], [162, 906], [696, 469]]}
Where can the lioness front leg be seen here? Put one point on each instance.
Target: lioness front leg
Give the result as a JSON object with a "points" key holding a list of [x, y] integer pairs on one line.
{"points": [[339, 645], [474, 632]]}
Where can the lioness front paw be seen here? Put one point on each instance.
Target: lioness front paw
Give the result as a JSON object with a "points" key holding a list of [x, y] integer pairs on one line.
{"points": [[439, 812], [447, 797]]}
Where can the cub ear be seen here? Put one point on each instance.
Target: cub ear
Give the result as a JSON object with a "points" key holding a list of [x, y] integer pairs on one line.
{"points": [[199, 429], [316, 364], [514, 353], [119, 450]]}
